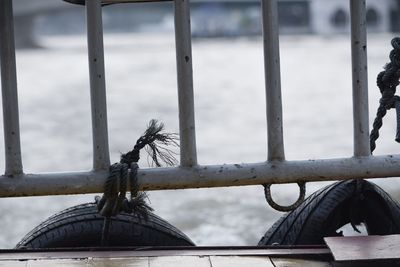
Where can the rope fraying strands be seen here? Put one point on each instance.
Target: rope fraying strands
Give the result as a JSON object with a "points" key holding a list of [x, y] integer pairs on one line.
{"points": [[387, 81], [114, 200]]}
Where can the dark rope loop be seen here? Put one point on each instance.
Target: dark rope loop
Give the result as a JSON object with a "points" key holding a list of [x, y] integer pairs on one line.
{"points": [[114, 190], [387, 81], [111, 203], [274, 205], [134, 184]]}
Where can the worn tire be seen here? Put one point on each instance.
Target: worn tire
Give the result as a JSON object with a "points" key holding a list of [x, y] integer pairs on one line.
{"points": [[81, 226], [328, 209]]}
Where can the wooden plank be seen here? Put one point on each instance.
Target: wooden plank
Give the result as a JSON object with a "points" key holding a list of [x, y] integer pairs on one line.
{"points": [[13, 263], [180, 261], [171, 261], [207, 251], [240, 261], [58, 263], [117, 262], [280, 262], [352, 248]]}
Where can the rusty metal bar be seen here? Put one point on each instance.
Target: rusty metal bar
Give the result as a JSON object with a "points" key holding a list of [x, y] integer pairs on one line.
{"points": [[101, 158], [272, 79], [360, 77], [207, 176], [12, 149], [183, 45]]}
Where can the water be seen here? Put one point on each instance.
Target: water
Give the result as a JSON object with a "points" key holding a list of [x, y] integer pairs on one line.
{"points": [[230, 119]]}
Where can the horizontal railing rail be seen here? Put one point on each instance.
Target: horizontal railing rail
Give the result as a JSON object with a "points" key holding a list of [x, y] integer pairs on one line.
{"points": [[207, 176], [189, 174]]}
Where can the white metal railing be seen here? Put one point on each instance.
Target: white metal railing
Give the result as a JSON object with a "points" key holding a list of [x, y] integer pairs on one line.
{"points": [[101, 158], [273, 80], [187, 130], [191, 175], [360, 77], [9, 90]]}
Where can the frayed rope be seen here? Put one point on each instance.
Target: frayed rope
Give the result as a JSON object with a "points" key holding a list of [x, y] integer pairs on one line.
{"points": [[114, 200]]}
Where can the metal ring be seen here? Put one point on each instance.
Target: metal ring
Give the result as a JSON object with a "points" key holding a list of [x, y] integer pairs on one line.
{"points": [[274, 205]]}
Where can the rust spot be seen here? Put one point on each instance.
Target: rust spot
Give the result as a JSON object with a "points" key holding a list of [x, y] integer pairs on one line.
{"points": [[187, 58], [238, 166], [364, 47]]}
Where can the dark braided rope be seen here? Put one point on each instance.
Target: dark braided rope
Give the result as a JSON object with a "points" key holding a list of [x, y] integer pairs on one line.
{"points": [[387, 82], [114, 198]]}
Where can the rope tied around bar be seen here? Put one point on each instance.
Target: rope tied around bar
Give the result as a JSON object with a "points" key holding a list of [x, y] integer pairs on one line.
{"points": [[387, 81], [114, 200]]}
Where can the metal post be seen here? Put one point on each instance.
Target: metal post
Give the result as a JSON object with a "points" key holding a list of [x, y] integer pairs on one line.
{"points": [[360, 77], [185, 83], [101, 158], [273, 79], [9, 90]]}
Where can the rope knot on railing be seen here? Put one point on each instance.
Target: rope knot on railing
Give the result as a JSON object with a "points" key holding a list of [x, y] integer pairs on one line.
{"points": [[114, 200], [387, 81]]}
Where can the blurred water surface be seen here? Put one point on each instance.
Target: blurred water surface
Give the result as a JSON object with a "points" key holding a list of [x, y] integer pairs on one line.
{"points": [[230, 120]]}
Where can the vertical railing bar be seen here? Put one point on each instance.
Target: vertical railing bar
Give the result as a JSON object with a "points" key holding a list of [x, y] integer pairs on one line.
{"points": [[272, 79], [185, 83], [12, 142], [359, 77], [101, 158]]}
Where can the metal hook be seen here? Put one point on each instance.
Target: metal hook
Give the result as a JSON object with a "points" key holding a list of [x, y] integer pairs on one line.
{"points": [[274, 205]]}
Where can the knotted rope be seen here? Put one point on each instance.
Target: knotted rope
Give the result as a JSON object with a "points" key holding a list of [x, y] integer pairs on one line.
{"points": [[387, 82], [114, 199]]}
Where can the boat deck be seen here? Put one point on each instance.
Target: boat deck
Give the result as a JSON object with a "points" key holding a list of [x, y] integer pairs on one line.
{"points": [[339, 251], [198, 257]]}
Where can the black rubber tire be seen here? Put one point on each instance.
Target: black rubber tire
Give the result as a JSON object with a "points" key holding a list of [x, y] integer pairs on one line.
{"points": [[328, 209], [81, 226]]}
